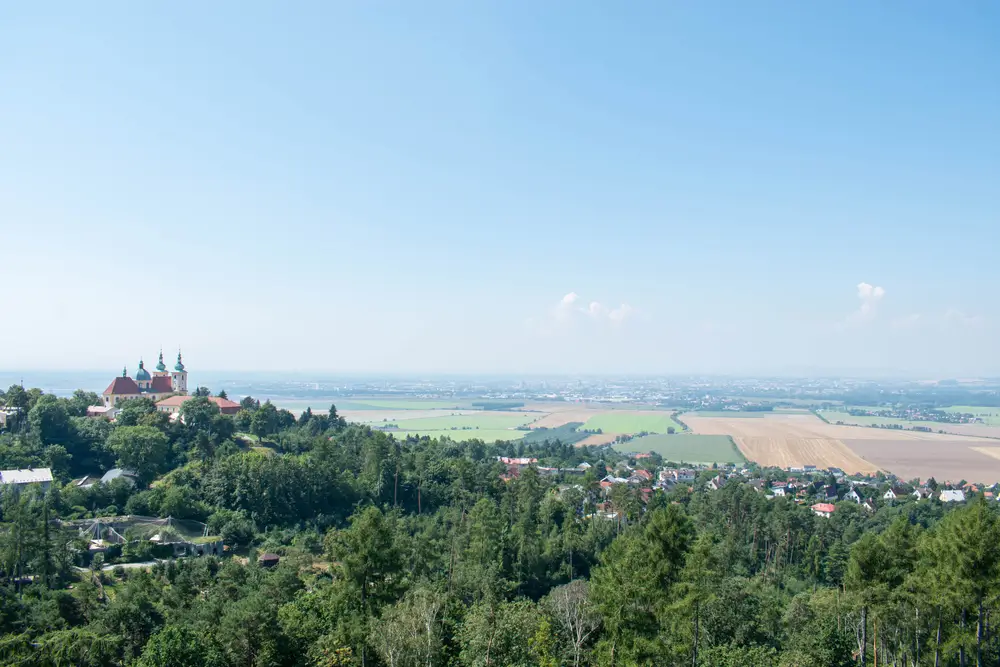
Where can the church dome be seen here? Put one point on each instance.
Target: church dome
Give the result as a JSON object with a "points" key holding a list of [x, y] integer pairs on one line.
{"points": [[179, 366], [142, 373], [161, 366]]}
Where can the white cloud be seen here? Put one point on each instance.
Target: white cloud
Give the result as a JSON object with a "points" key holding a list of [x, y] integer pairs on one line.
{"points": [[870, 296], [570, 310]]}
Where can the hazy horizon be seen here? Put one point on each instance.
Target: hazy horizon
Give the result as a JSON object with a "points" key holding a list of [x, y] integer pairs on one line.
{"points": [[518, 188]]}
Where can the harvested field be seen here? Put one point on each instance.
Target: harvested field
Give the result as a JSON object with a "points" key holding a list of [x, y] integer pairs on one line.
{"points": [[786, 452], [597, 439], [974, 430], [783, 441], [954, 460], [793, 440]]}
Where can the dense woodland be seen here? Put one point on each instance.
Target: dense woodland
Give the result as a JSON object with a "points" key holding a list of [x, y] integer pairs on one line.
{"points": [[418, 553]]}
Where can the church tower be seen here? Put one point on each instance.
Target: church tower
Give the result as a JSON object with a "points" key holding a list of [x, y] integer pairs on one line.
{"points": [[179, 376]]}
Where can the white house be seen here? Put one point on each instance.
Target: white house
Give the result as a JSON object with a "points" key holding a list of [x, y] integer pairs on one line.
{"points": [[952, 496], [22, 478], [778, 491], [853, 495]]}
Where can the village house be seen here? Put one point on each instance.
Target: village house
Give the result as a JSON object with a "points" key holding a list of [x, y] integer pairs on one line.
{"points": [[952, 496], [716, 483], [894, 493], [853, 495], [824, 510], [19, 479], [103, 411]]}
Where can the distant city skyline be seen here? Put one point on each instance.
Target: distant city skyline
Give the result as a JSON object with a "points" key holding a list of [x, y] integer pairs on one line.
{"points": [[502, 187]]}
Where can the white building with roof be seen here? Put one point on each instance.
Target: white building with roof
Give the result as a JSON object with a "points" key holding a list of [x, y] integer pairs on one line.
{"points": [[21, 478], [952, 496]]}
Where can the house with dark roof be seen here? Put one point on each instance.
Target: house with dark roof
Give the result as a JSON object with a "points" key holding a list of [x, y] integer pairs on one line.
{"points": [[156, 385]]}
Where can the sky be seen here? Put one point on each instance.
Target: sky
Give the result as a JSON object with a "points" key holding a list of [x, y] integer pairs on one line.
{"points": [[517, 187]]}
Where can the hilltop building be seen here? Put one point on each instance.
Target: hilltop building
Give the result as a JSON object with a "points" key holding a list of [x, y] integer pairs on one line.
{"points": [[156, 385]]}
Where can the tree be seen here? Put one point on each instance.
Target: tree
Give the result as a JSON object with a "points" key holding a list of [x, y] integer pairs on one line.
{"points": [[139, 448], [572, 608], [494, 634], [202, 391], [222, 394], [81, 400], [198, 413], [50, 421], [369, 557], [409, 632], [171, 646], [264, 420]]}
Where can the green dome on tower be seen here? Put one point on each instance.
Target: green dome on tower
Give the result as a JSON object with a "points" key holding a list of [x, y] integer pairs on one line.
{"points": [[142, 373], [161, 366], [179, 366]]}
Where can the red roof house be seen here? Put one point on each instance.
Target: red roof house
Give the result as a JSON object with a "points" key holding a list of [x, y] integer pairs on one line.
{"points": [[824, 509]]}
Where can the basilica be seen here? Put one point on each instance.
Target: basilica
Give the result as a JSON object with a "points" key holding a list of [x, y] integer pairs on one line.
{"points": [[156, 385]]}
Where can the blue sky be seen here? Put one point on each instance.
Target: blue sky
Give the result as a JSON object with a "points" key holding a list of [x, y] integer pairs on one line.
{"points": [[419, 187]]}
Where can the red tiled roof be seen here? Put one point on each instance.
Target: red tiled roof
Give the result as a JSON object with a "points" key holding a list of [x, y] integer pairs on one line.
{"points": [[122, 386], [177, 401], [161, 384], [645, 474], [173, 401], [224, 403], [824, 507]]}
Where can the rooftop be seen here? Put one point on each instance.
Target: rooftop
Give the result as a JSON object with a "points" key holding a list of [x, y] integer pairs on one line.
{"points": [[29, 476]]}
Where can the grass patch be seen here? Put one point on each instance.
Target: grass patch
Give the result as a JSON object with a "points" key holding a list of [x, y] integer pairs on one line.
{"points": [[205, 539], [866, 420], [990, 416], [483, 421], [566, 434], [630, 422], [486, 435], [686, 447]]}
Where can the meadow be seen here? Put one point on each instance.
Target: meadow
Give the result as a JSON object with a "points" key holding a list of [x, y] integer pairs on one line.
{"points": [[990, 416], [629, 422], [480, 420], [486, 435], [686, 447]]}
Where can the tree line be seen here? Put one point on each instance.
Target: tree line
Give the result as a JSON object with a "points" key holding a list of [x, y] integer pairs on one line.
{"points": [[430, 552]]}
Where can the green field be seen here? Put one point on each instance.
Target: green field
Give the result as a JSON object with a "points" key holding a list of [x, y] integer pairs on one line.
{"points": [[486, 426], [632, 423], [834, 417], [297, 405], [486, 435], [990, 416], [484, 420], [686, 447]]}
